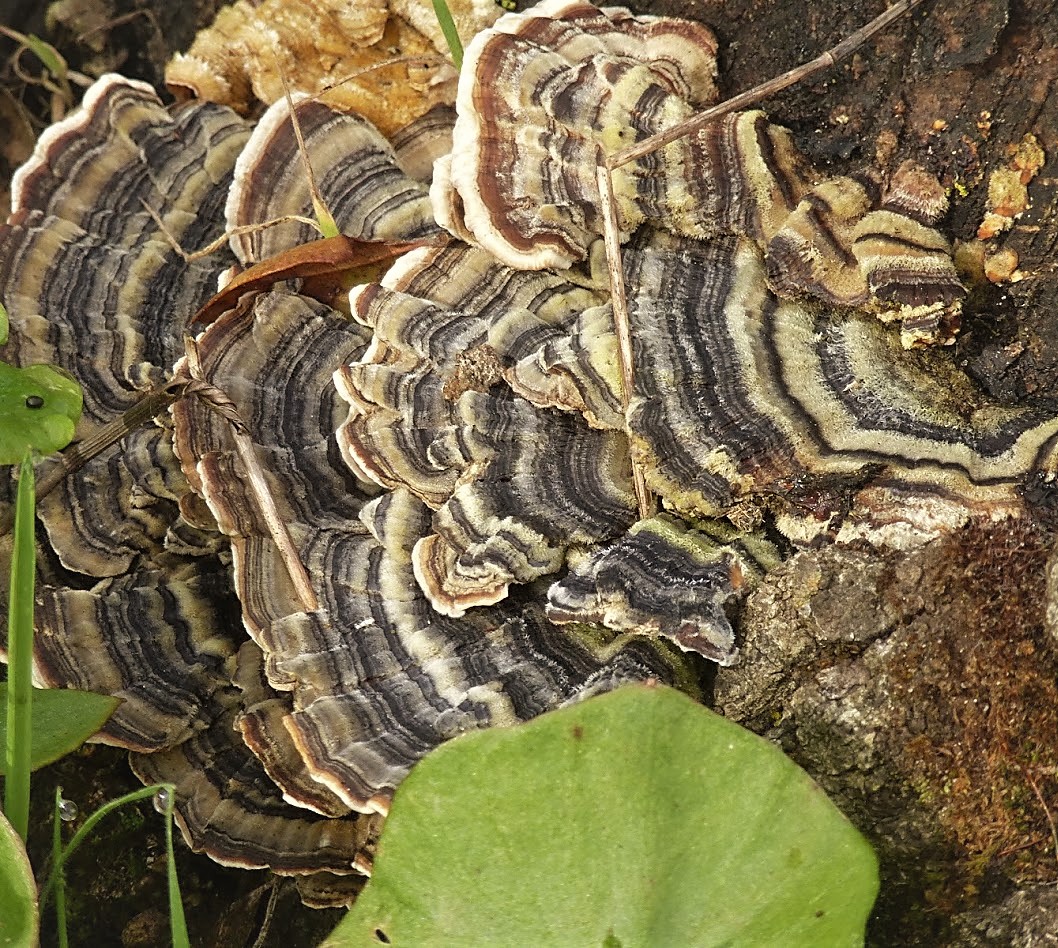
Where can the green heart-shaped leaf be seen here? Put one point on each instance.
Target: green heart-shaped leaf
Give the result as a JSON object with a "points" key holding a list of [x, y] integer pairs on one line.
{"points": [[39, 408], [636, 818]]}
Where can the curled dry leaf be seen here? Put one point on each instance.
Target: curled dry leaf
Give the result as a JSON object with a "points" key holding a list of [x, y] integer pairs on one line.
{"points": [[325, 257]]}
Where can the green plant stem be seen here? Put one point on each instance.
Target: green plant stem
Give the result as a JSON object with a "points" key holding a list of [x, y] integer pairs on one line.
{"points": [[60, 880], [20, 656], [451, 34], [177, 923], [88, 826]]}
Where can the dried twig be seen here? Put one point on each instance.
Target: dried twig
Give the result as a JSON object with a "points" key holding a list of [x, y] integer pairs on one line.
{"points": [[215, 245], [327, 226], [622, 325], [752, 96], [1042, 801], [74, 457], [218, 401], [153, 403], [357, 74], [270, 907]]}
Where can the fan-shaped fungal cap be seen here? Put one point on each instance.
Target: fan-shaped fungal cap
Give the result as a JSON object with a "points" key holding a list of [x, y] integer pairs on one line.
{"points": [[915, 193], [380, 678], [163, 641], [545, 99], [355, 169], [429, 413], [568, 80], [274, 360], [740, 396], [261, 724], [665, 578], [84, 250], [376, 677], [228, 808], [445, 322], [516, 519], [804, 396]]}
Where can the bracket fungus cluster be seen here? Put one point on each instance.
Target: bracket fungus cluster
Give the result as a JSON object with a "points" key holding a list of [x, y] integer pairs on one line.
{"points": [[577, 84], [362, 529]]}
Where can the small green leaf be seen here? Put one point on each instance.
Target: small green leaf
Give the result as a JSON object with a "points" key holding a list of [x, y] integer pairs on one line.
{"points": [[3, 324], [48, 55], [39, 408], [328, 228], [63, 720], [19, 918], [636, 818]]}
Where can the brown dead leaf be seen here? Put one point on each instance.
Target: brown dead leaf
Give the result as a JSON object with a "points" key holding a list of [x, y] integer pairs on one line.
{"points": [[331, 255]]}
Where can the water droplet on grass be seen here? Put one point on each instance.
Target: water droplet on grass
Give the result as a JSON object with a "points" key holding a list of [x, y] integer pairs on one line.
{"points": [[67, 811]]}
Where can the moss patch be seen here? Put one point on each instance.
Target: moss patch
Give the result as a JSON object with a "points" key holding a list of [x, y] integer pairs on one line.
{"points": [[979, 678]]}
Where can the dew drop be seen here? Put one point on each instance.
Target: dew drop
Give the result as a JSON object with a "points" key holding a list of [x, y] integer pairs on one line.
{"points": [[34, 401], [161, 800], [67, 811]]}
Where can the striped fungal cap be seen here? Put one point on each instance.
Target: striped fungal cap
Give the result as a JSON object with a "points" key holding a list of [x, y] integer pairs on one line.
{"points": [[544, 97], [285, 728], [271, 184], [448, 455]]}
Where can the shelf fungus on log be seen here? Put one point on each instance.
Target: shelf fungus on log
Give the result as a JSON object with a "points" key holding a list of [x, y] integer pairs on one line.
{"points": [[413, 679], [429, 412], [743, 397], [375, 676], [84, 257], [544, 98], [231, 810], [666, 578], [356, 170], [274, 741], [376, 527]]}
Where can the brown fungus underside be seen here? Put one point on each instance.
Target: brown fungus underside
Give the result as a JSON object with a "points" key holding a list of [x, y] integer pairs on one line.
{"points": [[444, 456]]}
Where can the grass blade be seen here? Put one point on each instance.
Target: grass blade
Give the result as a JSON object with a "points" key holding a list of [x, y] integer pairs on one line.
{"points": [[177, 923], [54, 884], [79, 837], [60, 879], [20, 656], [448, 27]]}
